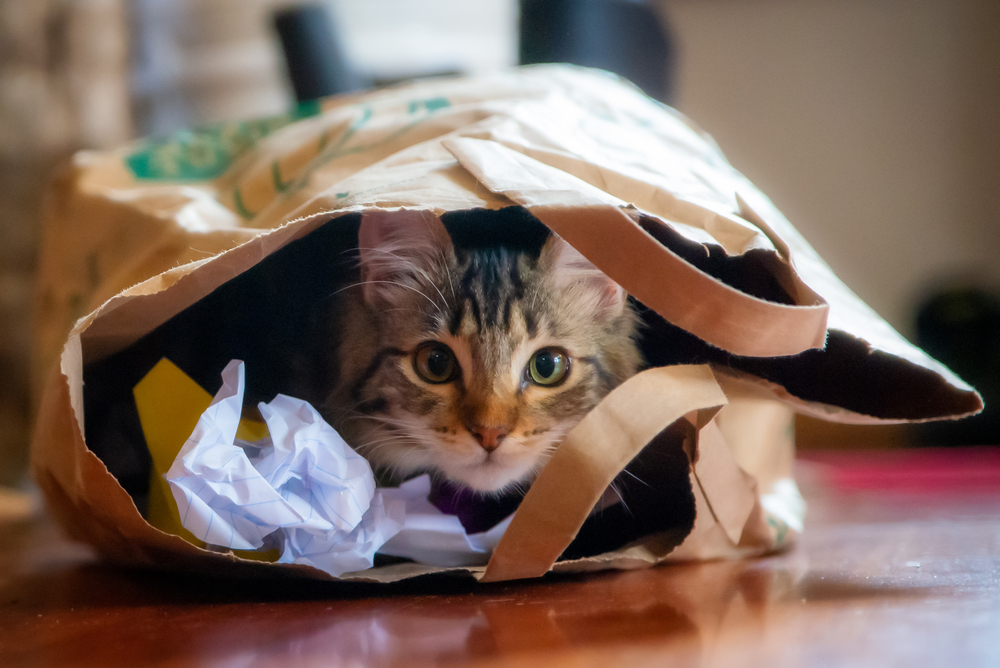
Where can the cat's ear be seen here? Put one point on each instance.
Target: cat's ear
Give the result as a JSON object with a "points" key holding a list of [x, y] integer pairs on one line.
{"points": [[576, 277], [399, 250]]}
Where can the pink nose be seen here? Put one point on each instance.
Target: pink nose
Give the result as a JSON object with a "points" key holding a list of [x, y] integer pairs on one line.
{"points": [[489, 437]]}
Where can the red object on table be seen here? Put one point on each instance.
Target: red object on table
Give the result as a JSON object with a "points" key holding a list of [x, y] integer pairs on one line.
{"points": [[913, 470]]}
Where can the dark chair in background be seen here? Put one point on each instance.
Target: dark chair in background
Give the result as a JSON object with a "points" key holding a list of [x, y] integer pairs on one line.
{"points": [[314, 54], [960, 326], [626, 37]]}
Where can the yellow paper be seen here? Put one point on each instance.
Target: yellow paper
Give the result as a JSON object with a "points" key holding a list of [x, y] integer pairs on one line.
{"points": [[169, 405]]}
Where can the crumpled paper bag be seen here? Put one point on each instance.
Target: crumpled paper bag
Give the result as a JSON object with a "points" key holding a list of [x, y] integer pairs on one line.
{"points": [[137, 238]]}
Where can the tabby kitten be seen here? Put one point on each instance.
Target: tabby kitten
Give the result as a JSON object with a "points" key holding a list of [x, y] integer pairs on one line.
{"points": [[472, 364]]}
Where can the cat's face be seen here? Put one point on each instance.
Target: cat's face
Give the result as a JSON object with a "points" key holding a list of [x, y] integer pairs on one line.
{"points": [[485, 359]]}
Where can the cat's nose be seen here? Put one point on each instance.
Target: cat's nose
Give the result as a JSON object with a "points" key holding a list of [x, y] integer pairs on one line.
{"points": [[489, 437]]}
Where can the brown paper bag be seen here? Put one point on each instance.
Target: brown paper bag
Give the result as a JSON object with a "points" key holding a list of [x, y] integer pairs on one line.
{"points": [[147, 244]]}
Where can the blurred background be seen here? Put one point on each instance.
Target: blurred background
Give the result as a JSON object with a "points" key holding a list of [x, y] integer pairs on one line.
{"points": [[873, 125]]}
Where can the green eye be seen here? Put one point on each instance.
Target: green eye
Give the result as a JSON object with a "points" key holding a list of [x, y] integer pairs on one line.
{"points": [[435, 363], [548, 367]]}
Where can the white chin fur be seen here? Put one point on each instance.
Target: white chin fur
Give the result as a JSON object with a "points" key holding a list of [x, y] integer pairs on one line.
{"points": [[489, 475], [476, 470]]}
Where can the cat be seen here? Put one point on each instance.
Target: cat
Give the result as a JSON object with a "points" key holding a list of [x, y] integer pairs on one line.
{"points": [[471, 364]]}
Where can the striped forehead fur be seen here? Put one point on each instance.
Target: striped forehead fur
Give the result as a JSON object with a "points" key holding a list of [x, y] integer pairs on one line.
{"points": [[491, 288]]}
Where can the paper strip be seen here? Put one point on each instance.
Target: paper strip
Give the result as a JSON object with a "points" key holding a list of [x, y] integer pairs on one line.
{"points": [[648, 270], [590, 457], [431, 537]]}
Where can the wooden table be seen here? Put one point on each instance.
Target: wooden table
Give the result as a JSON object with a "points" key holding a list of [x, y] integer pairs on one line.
{"points": [[899, 565]]}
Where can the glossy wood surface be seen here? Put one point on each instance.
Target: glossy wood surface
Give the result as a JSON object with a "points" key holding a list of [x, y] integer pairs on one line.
{"points": [[899, 566]]}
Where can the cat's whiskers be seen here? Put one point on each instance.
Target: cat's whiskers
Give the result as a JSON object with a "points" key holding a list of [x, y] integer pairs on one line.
{"points": [[451, 281], [397, 469], [396, 283], [416, 437], [417, 269], [398, 454], [534, 299], [556, 438], [393, 439], [517, 440], [389, 428], [376, 445], [637, 478], [398, 310], [542, 461], [351, 414], [515, 486], [402, 423], [555, 435], [621, 498]]}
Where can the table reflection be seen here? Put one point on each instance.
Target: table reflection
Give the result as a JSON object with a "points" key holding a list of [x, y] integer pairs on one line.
{"points": [[684, 605]]}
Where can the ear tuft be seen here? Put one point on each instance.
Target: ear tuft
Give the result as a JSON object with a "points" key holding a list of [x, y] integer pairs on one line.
{"points": [[576, 277], [399, 248]]}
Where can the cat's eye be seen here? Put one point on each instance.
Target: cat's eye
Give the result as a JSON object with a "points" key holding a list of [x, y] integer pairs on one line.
{"points": [[548, 367], [435, 363]]}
